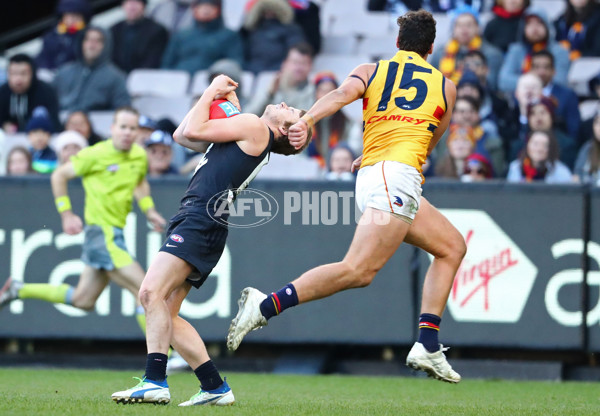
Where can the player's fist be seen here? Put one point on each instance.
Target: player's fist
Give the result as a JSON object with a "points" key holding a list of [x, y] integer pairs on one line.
{"points": [[71, 223], [298, 134], [222, 85]]}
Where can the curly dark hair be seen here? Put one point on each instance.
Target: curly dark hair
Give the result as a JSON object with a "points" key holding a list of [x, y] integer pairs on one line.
{"points": [[416, 32], [282, 145]]}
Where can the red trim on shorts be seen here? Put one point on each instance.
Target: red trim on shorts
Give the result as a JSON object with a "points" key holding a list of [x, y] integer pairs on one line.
{"points": [[386, 188]]}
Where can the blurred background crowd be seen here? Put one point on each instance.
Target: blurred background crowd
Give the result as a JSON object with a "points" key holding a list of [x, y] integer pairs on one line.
{"points": [[527, 75]]}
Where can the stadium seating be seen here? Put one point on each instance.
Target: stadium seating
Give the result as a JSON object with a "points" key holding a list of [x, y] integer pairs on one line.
{"points": [[263, 80], [580, 73], [554, 8], [293, 168], [174, 108], [101, 120], [158, 82], [340, 65], [360, 23], [199, 83], [380, 47], [341, 45]]}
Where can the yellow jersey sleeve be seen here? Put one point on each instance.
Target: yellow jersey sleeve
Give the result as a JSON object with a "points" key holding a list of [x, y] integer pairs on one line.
{"points": [[402, 106]]}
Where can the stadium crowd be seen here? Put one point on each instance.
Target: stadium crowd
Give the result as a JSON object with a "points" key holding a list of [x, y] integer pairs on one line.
{"points": [[516, 117]]}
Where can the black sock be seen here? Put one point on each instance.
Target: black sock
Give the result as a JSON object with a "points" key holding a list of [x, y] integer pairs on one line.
{"points": [[209, 376], [429, 326], [156, 366], [278, 302]]}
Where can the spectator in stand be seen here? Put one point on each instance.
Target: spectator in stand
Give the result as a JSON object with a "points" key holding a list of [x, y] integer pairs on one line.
{"points": [[460, 144], [39, 129], [469, 86], [23, 92], [331, 131], [535, 34], [67, 144], [399, 7], [207, 41], [92, 82], [539, 161], [18, 162], [307, 16], [494, 106], [175, 15], [160, 154], [146, 126], [567, 112], [540, 115], [587, 166], [80, 122], [477, 169], [339, 167], [60, 43], [291, 84], [578, 29], [268, 22], [487, 143], [449, 59], [503, 28], [529, 90], [138, 41]]}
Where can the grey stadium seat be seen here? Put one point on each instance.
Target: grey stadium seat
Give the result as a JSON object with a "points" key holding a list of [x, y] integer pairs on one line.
{"points": [[158, 82]]}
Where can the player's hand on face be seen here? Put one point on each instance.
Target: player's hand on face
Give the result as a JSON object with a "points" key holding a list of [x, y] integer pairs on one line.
{"points": [[157, 221], [298, 134], [356, 164], [223, 85], [71, 223]]}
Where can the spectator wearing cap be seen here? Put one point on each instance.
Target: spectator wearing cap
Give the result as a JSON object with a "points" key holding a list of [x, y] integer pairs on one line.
{"points": [[539, 161], [339, 166], [207, 41], [23, 92], [80, 122], [160, 154], [174, 15], [535, 34], [146, 126], [39, 129], [92, 82], [335, 129], [291, 84], [567, 112], [138, 41], [578, 29], [477, 169], [541, 116], [60, 42], [18, 162], [449, 58], [67, 144], [503, 28], [268, 22]]}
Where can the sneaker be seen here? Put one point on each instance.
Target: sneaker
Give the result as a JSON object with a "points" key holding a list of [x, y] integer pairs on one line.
{"points": [[176, 363], [146, 391], [248, 317], [10, 291], [433, 363], [223, 396]]}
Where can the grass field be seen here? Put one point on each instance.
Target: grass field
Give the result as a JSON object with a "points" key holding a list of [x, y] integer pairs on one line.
{"points": [[87, 392]]}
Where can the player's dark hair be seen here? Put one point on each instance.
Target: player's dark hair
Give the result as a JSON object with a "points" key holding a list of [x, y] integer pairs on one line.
{"points": [[545, 53], [416, 32], [282, 144]]}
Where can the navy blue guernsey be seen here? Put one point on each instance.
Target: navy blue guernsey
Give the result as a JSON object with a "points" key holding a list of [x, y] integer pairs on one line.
{"points": [[223, 172]]}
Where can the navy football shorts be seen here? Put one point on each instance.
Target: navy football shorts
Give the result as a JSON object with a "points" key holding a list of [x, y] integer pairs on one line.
{"points": [[198, 240]]}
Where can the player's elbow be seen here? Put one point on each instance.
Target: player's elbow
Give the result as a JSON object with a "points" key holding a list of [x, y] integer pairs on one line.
{"points": [[193, 135]]}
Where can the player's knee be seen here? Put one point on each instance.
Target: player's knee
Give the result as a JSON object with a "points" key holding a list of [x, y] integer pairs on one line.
{"points": [[458, 247], [147, 296]]}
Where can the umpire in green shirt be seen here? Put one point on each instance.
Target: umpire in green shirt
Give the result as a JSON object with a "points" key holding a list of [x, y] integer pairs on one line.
{"points": [[113, 172]]}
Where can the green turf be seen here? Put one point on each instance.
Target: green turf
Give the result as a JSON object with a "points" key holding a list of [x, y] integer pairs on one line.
{"points": [[86, 392]]}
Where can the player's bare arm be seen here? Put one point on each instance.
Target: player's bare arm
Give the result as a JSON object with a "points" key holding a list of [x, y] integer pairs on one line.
{"points": [[353, 88], [141, 193], [450, 91], [59, 179]]}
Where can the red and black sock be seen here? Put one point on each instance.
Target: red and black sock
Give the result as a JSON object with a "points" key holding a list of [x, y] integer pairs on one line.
{"points": [[279, 301], [429, 326]]}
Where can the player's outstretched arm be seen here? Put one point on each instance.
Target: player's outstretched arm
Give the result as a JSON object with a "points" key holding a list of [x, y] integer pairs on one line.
{"points": [[146, 204], [59, 179], [353, 88], [450, 91]]}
